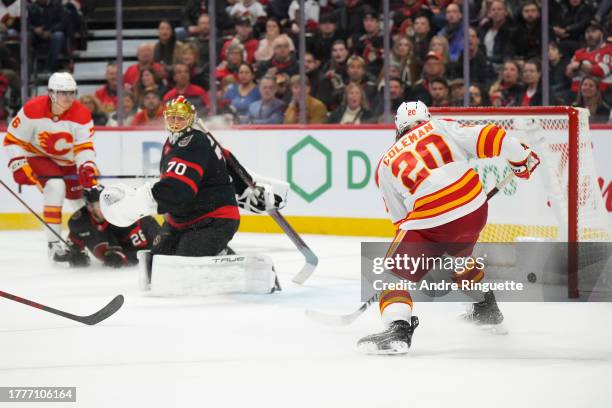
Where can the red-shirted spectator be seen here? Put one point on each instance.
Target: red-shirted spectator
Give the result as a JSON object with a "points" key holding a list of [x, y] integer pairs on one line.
{"points": [[594, 60], [145, 60], [244, 33], [151, 113], [195, 94], [233, 59], [107, 94]]}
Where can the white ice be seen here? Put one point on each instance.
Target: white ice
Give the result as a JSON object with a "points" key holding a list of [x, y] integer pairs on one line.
{"points": [[261, 351]]}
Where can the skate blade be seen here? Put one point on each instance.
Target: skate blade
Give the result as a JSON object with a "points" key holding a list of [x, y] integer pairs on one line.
{"points": [[395, 348]]}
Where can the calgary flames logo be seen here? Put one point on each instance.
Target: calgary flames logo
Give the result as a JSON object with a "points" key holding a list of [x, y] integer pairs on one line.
{"points": [[56, 144]]}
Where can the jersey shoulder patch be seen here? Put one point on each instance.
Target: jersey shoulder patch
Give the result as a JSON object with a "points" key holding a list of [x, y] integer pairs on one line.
{"points": [[184, 142]]}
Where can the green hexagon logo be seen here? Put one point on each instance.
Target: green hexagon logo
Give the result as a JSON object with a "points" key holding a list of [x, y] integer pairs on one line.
{"points": [[305, 150]]}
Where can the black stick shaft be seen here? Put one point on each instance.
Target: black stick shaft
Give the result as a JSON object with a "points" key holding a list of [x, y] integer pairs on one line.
{"points": [[104, 176], [34, 213]]}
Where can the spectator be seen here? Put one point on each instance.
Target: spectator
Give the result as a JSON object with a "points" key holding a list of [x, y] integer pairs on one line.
{"points": [[269, 109], [439, 92], [144, 54], [149, 81], [456, 91], [527, 37], [439, 45], [496, 32], [152, 110], [129, 111], [532, 94], [421, 37], [477, 96], [107, 94], [358, 75], [314, 74], [283, 90], [397, 92], [167, 48], [481, 70], [10, 16], [283, 61], [47, 25], [402, 55], [189, 56], [369, 46], [265, 50], [569, 27], [201, 41], [183, 86], [320, 44], [507, 90], [234, 57], [311, 15], [559, 82], [251, 9], [334, 75], [594, 60], [93, 105], [453, 31], [354, 108], [408, 11], [589, 97], [350, 17], [316, 112], [433, 68], [244, 37], [242, 94]]}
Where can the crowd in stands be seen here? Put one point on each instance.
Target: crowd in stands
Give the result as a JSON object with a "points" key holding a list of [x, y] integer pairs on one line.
{"points": [[257, 65]]}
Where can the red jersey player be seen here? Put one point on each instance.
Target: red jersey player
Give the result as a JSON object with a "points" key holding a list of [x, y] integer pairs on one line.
{"points": [[437, 202], [50, 145]]}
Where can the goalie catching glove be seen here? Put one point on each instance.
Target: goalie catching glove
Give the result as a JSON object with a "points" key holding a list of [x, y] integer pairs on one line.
{"points": [[259, 199], [123, 205], [524, 168]]}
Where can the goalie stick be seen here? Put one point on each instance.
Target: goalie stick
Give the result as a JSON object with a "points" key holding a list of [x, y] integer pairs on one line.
{"points": [[311, 259], [346, 319], [104, 176], [90, 320]]}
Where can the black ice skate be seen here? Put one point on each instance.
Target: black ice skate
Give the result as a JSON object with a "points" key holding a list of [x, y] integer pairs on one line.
{"points": [[58, 252], [486, 314], [395, 340]]}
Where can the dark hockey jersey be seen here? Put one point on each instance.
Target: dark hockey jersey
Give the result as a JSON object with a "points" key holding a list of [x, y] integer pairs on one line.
{"points": [[100, 237], [195, 182]]}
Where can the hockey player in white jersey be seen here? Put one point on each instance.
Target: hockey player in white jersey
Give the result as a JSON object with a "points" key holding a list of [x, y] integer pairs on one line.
{"points": [[50, 145], [435, 198]]}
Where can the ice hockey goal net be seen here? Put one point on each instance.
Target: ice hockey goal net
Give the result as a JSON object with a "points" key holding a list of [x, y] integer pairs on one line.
{"points": [[563, 201]]}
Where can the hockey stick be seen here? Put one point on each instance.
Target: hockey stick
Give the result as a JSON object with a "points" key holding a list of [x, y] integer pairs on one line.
{"points": [[104, 176], [34, 213], [346, 319], [90, 320], [311, 259]]}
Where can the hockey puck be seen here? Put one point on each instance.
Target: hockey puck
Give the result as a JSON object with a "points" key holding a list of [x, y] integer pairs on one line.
{"points": [[531, 277]]}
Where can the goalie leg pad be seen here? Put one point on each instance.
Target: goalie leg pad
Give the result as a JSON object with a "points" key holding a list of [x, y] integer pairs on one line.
{"points": [[212, 275]]}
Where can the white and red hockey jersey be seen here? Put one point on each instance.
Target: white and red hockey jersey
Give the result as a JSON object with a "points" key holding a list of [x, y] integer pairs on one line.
{"points": [[35, 131], [601, 65], [425, 177]]}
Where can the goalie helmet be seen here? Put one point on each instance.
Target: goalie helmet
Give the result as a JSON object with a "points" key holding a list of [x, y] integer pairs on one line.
{"points": [[62, 81], [410, 113], [179, 114]]}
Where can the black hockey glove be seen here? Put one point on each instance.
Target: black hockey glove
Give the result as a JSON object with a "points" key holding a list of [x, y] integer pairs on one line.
{"points": [[78, 258], [115, 258]]}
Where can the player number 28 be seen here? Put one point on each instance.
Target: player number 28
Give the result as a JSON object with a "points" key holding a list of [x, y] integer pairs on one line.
{"points": [[413, 166], [176, 167]]}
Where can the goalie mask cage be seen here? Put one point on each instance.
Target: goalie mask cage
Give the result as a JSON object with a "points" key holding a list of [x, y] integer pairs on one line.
{"points": [[562, 202]]}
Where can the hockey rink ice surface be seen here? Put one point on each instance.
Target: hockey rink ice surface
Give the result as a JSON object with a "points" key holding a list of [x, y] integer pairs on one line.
{"points": [[261, 351]]}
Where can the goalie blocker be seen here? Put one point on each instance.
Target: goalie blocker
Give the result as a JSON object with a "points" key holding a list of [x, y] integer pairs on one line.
{"points": [[165, 275]]}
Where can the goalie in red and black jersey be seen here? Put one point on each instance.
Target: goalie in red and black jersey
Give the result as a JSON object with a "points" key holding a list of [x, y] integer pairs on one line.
{"points": [[197, 192]]}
